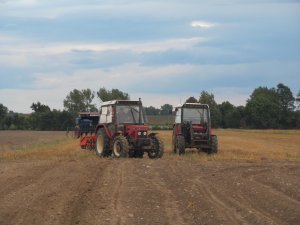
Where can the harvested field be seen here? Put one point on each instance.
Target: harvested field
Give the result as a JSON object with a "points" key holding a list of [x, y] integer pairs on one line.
{"points": [[14, 140], [254, 179]]}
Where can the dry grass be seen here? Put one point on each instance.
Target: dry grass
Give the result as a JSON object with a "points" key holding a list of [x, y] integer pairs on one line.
{"points": [[235, 144], [42, 145], [16, 140], [65, 150], [253, 145]]}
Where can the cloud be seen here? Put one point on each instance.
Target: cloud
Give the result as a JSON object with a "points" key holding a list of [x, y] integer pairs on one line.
{"points": [[72, 55], [146, 46], [202, 24]]}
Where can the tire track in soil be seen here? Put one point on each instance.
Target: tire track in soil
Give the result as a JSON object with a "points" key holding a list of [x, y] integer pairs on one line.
{"points": [[141, 196], [118, 190], [19, 194], [85, 205], [275, 188], [219, 204], [254, 202], [57, 194], [241, 211], [16, 179], [271, 197], [170, 200], [234, 207], [200, 203]]}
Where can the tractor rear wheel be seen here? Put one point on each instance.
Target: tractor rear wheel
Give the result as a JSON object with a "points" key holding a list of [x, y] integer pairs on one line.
{"points": [[157, 148], [102, 143], [120, 147], [214, 144], [174, 143], [180, 144]]}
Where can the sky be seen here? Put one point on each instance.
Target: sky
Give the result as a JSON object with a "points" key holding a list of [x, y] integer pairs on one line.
{"points": [[161, 51]]}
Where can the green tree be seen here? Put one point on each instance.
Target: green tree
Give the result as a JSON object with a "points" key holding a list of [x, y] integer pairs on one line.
{"points": [[232, 119], [52, 120], [297, 100], [151, 110], [166, 109], [88, 97], [206, 98], [115, 94], [38, 107], [286, 98], [263, 108], [3, 110], [80, 101], [191, 99], [8, 121], [3, 113], [230, 115], [287, 105]]}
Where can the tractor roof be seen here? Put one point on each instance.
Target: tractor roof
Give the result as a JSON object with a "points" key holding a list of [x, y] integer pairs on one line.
{"points": [[193, 105], [120, 102]]}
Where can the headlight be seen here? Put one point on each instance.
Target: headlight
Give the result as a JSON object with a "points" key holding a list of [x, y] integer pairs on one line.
{"points": [[145, 133], [139, 133]]}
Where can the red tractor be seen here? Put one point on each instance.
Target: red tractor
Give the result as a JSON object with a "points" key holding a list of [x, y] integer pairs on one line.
{"points": [[122, 132], [192, 129]]}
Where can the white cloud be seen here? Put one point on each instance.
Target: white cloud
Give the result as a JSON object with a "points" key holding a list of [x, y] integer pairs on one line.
{"points": [[202, 24], [152, 46], [22, 54], [121, 76]]}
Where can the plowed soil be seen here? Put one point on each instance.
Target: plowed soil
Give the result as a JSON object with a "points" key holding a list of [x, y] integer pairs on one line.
{"points": [[144, 191]]}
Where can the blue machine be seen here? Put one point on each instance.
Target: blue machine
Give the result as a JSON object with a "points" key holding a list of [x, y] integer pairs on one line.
{"points": [[86, 123]]}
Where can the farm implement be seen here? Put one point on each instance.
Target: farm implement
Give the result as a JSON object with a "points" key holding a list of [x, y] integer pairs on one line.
{"points": [[86, 123]]}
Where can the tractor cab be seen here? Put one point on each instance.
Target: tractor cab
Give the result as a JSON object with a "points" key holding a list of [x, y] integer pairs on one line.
{"points": [[194, 115]]}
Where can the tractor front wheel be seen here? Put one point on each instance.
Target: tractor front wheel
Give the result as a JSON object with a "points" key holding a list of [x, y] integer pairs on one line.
{"points": [[157, 148], [120, 147]]}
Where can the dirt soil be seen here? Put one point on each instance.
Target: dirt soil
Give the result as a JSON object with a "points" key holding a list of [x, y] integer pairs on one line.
{"points": [[144, 191]]}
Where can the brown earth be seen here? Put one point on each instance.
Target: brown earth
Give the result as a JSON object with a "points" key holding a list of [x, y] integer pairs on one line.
{"points": [[144, 191]]}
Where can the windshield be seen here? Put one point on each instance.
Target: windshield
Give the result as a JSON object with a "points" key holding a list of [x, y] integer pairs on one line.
{"points": [[129, 114], [196, 116]]}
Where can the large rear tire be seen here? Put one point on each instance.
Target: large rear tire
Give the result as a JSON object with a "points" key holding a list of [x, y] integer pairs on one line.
{"points": [[157, 148], [214, 144], [174, 149], [180, 144], [120, 147], [102, 143]]}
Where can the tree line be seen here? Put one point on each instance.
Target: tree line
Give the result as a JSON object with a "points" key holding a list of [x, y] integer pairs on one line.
{"points": [[274, 108]]}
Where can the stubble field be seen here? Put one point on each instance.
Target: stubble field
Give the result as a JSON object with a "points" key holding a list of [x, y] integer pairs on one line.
{"points": [[45, 178]]}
